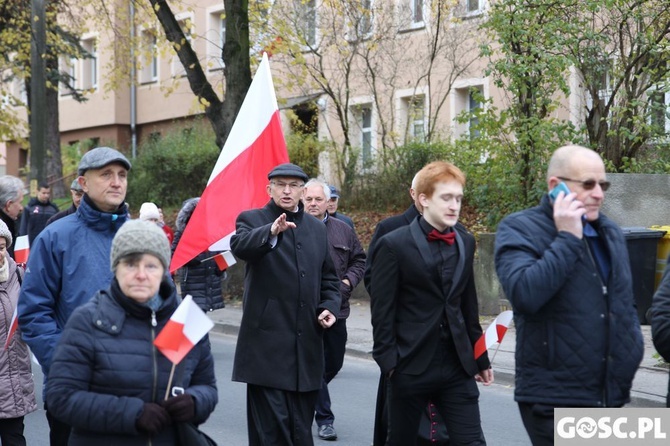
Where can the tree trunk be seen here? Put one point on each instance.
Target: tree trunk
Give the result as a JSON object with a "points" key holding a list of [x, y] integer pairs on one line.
{"points": [[221, 114]]}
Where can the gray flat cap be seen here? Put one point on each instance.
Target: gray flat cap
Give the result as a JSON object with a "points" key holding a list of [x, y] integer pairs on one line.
{"points": [[288, 170], [100, 157], [75, 186], [334, 193]]}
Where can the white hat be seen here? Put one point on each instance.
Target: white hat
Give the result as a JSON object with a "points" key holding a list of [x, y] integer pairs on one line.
{"points": [[149, 211]]}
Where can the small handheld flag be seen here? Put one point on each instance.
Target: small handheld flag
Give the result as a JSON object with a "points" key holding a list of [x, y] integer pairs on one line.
{"points": [[21, 249], [12, 328], [494, 333], [186, 327], [224, 260]]}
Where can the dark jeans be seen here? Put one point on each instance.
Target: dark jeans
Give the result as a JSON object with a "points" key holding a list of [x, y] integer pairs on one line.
{"points": [[279, 417], [454, 394], [538, 419], [59, 432], [334, 346], [11, 432]]}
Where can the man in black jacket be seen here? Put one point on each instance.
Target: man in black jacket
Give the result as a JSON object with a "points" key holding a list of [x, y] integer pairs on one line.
{"points": [[349, 259], [36, 214], [564, 268], [425, 316], [291, 295]]}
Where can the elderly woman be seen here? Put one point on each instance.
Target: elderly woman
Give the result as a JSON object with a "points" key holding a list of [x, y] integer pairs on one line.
{"points": [[17, 390], [107, 379]]}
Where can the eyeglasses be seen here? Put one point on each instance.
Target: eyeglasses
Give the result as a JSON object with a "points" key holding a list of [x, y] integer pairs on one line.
{"points": [[281, 185], [589, 184]]}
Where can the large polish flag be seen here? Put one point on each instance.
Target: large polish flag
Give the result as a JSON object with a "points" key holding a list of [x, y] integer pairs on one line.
{"points": [[186, 327], [494, 333], [239, 179]]}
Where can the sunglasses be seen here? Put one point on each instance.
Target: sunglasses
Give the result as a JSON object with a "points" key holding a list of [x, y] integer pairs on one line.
{"points": [[589, 184]]}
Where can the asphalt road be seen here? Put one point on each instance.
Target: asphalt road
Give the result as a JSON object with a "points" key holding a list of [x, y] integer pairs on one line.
{"points": [[353, 394]]}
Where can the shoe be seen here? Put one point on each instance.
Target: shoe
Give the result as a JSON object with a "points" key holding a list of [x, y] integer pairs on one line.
{"points": [[327, 432]]}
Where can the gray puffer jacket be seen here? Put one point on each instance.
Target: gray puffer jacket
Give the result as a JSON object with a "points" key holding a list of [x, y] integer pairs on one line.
{"points": [[17, 390]]}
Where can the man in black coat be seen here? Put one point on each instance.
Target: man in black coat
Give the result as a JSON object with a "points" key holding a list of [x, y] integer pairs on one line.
{"points": [[291, 295], [349, 259], [425, 316]]}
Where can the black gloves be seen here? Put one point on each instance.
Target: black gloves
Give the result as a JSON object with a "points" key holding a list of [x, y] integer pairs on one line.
{"points": [[180, 407], [153, 419]]}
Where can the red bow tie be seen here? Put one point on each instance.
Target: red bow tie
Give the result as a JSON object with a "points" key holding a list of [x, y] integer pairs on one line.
{"points": [[449, 238]]}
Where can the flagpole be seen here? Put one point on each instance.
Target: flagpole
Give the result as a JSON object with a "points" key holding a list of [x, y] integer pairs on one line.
{"points": [[495, 353], [167, 391]]}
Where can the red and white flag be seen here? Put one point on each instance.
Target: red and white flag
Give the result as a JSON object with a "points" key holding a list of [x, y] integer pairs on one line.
{"points": [[225, 260], [239, 179], [186, 327], [21, 249], [494, 333], [12, 328]]}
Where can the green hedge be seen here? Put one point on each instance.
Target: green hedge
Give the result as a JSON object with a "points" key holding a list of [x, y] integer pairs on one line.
{"points": [[173, 168]]}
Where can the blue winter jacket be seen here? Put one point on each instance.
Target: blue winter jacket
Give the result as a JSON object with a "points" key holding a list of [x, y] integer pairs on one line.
{"points": [[579, 341], [68, 263], [106, 368]]}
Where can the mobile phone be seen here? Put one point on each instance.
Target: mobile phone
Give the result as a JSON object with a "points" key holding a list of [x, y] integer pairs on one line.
{"points": [[560, 187]]}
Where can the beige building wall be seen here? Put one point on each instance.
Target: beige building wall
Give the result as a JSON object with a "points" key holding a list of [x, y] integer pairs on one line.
{"points": [[165, 100]]}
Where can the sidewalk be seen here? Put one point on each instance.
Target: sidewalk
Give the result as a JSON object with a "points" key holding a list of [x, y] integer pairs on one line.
{"points": [[649, 387]]}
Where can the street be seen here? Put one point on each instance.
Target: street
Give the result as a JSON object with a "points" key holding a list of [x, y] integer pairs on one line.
{"points": [[353, 394]]}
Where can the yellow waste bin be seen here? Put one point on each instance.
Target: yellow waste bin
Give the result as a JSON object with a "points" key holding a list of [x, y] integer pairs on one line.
{"points": [[662, 252]]}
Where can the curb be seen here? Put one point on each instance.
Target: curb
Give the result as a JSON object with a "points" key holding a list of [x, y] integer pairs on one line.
{"points": [[503, 376]]}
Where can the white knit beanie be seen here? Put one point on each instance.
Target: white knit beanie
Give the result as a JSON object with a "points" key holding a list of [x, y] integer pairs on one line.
{"points": [[140, 237], [149, 210], [4, 232]]}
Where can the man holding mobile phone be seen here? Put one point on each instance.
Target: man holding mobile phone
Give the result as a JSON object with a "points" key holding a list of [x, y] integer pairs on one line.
{"points": [[564, 267]]}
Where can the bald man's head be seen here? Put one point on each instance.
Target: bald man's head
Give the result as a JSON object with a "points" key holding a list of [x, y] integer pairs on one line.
{"points": [[565, 160]]}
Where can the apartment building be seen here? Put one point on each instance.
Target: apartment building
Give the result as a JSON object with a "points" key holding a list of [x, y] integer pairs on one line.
{"points": [[371, 73]]}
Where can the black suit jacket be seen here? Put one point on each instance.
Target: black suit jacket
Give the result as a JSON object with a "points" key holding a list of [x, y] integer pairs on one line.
{"points": [[384, 227], [409, 302]]}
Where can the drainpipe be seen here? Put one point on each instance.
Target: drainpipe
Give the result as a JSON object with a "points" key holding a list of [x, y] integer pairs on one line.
{"points": [[133, 86]]}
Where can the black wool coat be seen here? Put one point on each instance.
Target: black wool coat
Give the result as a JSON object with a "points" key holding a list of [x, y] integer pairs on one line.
{"points": [[280, 341]]}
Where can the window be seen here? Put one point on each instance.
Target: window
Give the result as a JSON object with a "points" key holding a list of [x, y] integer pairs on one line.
{"points": [[178, 69], [472, 6], [365, 19], [149, 54], [473, 105], [216, 38], [417, 11], [659, 112], [466, 99], [306, 20], [68, 75], [417, 116], [362, 133], [89, 65]]}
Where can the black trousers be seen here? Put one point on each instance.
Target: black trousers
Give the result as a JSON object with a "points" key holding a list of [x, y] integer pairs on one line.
{"points": [[278, 417], [445, 384], [538, 419], [59, 432], [334, 347], [11, 432]]}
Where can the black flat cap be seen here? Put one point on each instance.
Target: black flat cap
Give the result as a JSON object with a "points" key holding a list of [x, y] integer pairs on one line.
{"points": [[100, 157], [288, 170]]}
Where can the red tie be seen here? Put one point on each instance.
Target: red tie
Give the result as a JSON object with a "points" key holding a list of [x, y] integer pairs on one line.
{"points": [[449, 238]]}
